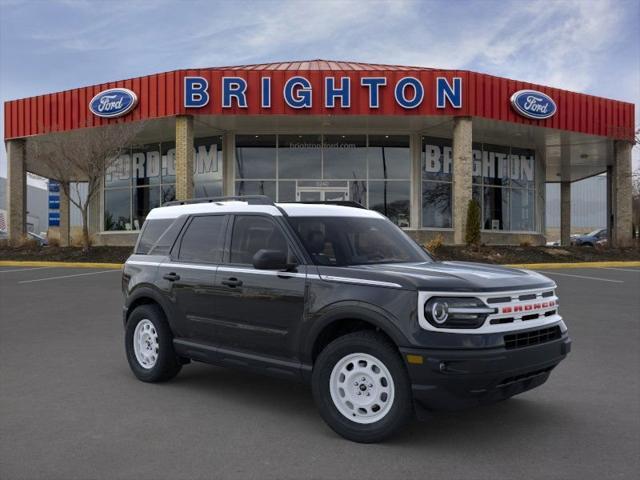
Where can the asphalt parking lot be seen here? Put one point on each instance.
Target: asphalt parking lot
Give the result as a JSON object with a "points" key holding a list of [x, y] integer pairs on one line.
{"points": [[70, 408]]}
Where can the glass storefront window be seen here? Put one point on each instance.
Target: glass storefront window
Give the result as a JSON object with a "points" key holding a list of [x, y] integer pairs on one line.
{"points": [[256, 187], [392, 199], [151, 172], [118, 174], [344, 156], [144, 199], [300, 156], [496, 208], [436, 204], [389, 157], [496, 171], [522, 167], [146, 163], [255, 156], [437, 172], [331, 168], [522, 209], [495, 165], [436, 159], [168, 162], [117, 209], [207, 167]]}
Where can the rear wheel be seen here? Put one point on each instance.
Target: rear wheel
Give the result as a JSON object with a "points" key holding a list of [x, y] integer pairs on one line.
{"points": [[361, 387], [149, 345]]}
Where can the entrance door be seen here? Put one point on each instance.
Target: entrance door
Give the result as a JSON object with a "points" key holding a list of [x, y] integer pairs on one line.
{"points": [[322, 192]]}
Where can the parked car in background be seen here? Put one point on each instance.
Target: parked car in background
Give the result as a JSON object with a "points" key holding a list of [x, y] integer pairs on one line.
{"points": [[590, 239], [40, 239]]}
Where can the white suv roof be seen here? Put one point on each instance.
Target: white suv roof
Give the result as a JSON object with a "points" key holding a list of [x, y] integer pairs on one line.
{"points": [[238, 206]]}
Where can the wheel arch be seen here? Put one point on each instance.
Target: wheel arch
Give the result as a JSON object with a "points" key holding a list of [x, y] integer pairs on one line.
{"points": [[347, 318], [145, 296]]}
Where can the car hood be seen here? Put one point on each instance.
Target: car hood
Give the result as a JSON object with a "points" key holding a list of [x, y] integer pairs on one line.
{"points": [[446, 276]]}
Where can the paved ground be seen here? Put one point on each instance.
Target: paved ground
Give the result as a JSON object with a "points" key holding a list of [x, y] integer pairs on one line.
{"points": [[70, 408]]}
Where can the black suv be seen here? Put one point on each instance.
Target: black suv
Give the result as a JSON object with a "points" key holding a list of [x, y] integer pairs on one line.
{"points": [[339, 297]]}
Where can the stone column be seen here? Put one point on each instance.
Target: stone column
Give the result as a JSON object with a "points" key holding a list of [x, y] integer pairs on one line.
{"points": [[462, 175], [16, 191], [416, 180], [228, 164], [565, 213], [65, 217], [621, 184], [184, 157]]}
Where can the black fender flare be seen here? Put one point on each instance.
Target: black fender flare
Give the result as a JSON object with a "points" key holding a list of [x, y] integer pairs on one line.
{"points": [[150, 292], [352, 310]]}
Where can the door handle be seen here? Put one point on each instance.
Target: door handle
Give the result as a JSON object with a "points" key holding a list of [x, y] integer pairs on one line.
{"points": [[232, 282], [172, 276]]}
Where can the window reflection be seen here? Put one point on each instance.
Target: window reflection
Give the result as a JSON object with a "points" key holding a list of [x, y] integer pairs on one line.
{"points": [[255, 156]]}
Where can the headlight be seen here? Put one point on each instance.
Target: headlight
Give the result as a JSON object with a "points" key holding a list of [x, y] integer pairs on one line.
{"points": [[456, 312]]}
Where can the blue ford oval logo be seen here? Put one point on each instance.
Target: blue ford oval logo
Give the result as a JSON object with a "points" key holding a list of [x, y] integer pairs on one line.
{"points": [[114, 102], [533, 104]]}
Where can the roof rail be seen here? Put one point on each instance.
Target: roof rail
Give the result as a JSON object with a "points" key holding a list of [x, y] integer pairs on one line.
{"points": [[342, 203], [250, 199]]}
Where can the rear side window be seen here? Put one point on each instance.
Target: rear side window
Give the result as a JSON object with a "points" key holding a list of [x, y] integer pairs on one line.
{"points": [[152, 231], [252, 233], [203, 241]]}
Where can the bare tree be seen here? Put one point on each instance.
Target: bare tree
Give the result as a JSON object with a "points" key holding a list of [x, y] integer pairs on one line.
{"points": [[82, 156]]}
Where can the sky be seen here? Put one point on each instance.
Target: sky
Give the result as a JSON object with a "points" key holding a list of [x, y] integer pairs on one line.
{"points": [[590, 46]]}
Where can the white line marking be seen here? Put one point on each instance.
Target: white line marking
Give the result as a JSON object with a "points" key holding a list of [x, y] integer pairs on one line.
{"points": [[583, 276], [621, 269], [24, 269], [67, 276]]}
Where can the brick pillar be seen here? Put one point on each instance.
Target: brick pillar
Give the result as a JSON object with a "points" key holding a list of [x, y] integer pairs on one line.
{"points": [[16, 191], [462, 175], [416, 180], [565, 213], [65, 217], [228, 164], [184, 157], [622, 190]]}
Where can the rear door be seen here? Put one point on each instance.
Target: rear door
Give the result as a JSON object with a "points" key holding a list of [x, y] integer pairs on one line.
{"points": [[189, 276], [257, 310]]}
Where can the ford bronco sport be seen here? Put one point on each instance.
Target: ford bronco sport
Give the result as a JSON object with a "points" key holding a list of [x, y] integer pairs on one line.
{"points": [[339, 297]]}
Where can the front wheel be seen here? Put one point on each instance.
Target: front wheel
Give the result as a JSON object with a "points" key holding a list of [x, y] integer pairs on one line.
{"points": [[362, 388]]}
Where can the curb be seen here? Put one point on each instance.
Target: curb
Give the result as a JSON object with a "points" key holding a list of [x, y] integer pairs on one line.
{"points": [[117, 266], [29, 263]]}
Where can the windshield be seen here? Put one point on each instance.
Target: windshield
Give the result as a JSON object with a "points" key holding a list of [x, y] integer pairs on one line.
{"points": [[344, 241], [594, 233]]}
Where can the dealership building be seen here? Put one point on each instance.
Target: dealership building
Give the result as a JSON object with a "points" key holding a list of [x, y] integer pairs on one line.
{"points": [[416, 144]]}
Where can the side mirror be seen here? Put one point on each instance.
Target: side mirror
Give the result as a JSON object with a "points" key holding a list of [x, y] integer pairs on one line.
{"points": [[270, 260]]}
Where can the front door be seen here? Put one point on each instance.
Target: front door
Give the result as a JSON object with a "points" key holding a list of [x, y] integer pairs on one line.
{"points": [[257, 310]]}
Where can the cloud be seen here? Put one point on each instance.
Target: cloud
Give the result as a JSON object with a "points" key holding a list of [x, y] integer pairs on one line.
{"points": [[584, 45]]}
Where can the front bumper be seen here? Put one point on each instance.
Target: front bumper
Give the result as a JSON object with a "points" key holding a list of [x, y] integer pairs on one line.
{"points": [[450, 379]]}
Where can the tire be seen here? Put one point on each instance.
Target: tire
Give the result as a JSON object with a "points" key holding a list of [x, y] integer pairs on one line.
{"points": [[337, 378], [153, 359]]}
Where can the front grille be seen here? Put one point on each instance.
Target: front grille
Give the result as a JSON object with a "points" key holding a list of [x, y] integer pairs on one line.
{"points": [[533, 337]]}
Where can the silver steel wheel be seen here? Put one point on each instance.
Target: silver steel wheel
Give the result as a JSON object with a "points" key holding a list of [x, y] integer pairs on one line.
{"points": [[361, 388], [145, 344]]}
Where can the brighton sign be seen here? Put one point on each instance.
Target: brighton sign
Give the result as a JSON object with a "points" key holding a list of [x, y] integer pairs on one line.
{"points": [[113, 103], [533, 104], [408, 92]]}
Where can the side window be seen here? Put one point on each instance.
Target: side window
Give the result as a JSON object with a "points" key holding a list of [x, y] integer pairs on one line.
{"points": [[151, 232], [252, 233], [203, 240]]}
